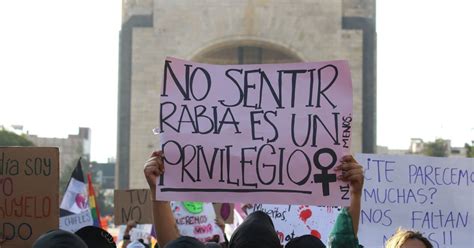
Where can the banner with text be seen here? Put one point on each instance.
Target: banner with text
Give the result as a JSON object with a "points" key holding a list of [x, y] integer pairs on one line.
{"points": [[271, 131], [293, 221], [29, 198], [133, 204], [196, 219], [432, 195], [74, 222]]}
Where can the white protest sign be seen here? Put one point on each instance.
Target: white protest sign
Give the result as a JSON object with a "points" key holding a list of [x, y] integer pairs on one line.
{"points": [[141, 231], [74, 222], [292, 221], [431, 195], [196, 219]]}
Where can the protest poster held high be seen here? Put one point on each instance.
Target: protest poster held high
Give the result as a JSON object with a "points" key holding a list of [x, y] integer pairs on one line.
{"points": [[255, 129], [29, 200], [429, 194], [132, 204]]}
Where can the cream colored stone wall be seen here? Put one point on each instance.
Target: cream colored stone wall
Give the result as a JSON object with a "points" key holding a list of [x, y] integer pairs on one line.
{"points": [[310, 29]]}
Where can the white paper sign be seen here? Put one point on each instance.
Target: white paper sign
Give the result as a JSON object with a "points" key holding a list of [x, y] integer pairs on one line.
{"points": [[196, 219], [292, 221], [74, 222], [431, 195], [141, 231]]}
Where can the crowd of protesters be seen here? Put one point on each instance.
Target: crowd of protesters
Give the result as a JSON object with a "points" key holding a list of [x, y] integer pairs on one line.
{"points": [[257, 230]]}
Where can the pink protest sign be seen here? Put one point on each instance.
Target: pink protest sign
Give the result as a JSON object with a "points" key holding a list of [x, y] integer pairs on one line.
{"points": [[267, 133]]}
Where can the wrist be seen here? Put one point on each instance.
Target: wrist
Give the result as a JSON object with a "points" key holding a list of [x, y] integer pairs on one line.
{"points": [[153, 193], [126, 237], [356, 193]]}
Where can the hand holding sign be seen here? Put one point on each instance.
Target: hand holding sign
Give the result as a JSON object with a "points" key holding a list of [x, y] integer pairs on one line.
{"points": [[352, 172], [153, 169], [268, 133]]}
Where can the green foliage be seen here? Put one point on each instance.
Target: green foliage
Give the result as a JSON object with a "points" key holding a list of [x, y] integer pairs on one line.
{"points": [[469, 150], [12, 139], [439, 148]]}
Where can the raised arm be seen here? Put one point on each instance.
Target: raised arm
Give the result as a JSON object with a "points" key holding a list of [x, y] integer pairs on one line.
{"points": [[126, 234], [165, 223], [353, 173]]}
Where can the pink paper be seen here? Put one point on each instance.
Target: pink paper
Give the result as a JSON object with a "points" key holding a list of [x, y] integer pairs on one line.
{"points": [[255, 133]]}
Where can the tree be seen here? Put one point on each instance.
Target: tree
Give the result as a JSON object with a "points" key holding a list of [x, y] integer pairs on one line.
{"points": [[469, 150], [439, 148], [12, 139]]}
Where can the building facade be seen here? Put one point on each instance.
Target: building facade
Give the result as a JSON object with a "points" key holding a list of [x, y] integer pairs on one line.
{"points": [[71, 148], [236, 32]]}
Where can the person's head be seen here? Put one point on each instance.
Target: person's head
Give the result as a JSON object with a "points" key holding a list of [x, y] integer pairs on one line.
{"points": [[257, 230], [190, 242], [305, 241], [59, 239], [138, 244], [96, 237], [408, 239], [185, 242]]}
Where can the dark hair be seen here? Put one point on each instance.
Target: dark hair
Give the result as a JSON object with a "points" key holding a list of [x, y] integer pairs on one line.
{"points": [[305, 241], [257, 230], [185, 242], [59, 239], [96, 237]]}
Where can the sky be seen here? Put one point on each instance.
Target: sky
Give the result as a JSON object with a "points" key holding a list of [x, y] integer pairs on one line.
{"points": [[59, 70]]}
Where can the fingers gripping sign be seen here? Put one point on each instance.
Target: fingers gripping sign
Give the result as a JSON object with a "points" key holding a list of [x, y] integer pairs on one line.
{"points": [[352, 172], [154, 168]]}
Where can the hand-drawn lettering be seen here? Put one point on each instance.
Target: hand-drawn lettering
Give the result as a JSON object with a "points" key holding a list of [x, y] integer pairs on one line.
{"points": [[8, 167], [346, 130], [38, 167], [439, 219], [254, 121], [384, 169], [132, 213], [6, 186], [429, 175], [345, 190], [377, 216], [254, 129], [23, 231], [189, 82], [312, 130]]}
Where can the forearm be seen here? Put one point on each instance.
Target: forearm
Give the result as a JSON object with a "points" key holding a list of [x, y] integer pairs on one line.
{"points": [[126, 236], [125, 243], [165, 223], [354, 211]]}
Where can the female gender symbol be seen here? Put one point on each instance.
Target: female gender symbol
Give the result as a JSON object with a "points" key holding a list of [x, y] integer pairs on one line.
{"points": [[324, 177]]}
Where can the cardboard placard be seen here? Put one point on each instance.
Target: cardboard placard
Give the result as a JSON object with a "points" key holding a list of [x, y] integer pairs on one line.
{"points": [[29, 197], [293, 221], [133, 204], [268, 133], [225, 212], [428, 194]]}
